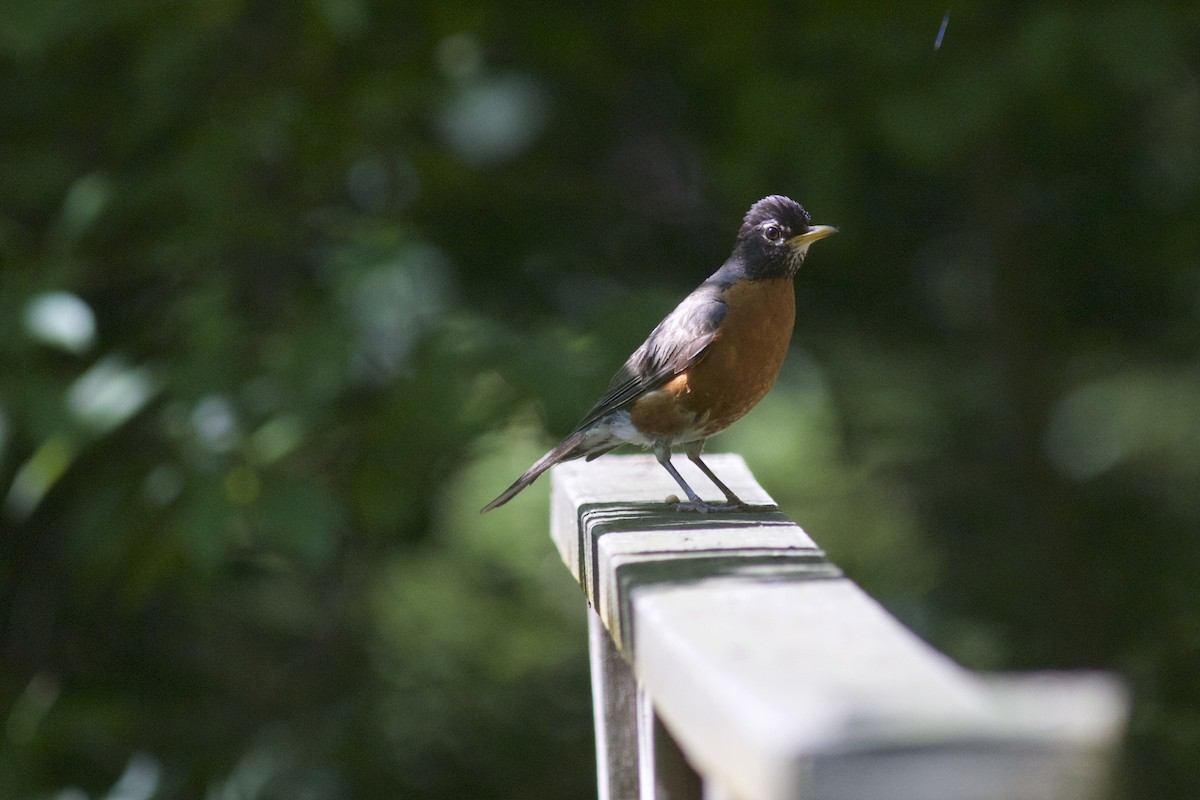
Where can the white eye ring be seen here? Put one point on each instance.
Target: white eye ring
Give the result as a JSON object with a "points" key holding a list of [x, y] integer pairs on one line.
{"points": [[772, 232]]}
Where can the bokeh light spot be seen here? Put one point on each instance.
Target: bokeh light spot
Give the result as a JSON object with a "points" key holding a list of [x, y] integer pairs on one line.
{"points": [[242, 486], [459, 56], [110, 393], [215, 424], [62, 320], [1083, 438], [393, 302], [495, 120], [37, 476]]}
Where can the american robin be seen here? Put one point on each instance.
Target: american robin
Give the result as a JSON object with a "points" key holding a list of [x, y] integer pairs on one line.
{"points": [[708, 363]]}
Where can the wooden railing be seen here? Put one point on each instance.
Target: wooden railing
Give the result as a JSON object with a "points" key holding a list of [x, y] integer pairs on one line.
{"points": [[732, 661]]}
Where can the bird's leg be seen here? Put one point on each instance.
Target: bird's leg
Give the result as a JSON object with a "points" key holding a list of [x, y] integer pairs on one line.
{"points": [[733, 502], [663, 453], [730, 497]]}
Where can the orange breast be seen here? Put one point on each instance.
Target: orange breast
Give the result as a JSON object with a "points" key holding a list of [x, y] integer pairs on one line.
{"points": [[736, 371]]}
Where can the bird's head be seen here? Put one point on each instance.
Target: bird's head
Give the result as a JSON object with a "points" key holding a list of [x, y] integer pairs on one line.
{"points": [[775, 236]]}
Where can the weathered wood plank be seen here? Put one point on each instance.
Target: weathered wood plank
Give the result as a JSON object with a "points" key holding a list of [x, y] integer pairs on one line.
{"points": [[615, 533], [614, 704], [812, 687], [779, 678], [663, 771]]}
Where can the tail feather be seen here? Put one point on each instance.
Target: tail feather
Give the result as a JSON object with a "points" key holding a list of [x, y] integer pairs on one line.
{"points": [[566, 450]]}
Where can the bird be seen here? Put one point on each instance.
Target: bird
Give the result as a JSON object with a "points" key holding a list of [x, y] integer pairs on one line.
{"points": [[707, 363]]}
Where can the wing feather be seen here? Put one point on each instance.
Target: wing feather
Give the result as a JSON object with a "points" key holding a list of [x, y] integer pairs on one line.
{"points": [[676, 344]]}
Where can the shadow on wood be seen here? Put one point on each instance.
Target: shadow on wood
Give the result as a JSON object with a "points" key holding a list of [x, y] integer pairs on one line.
{"points": [[773, 676]]}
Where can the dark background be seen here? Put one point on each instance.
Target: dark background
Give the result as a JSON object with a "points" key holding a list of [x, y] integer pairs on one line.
{"points": [[288, 290]]}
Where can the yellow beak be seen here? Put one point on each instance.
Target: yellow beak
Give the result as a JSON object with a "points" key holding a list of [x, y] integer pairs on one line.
{"points": [[811, 235]]}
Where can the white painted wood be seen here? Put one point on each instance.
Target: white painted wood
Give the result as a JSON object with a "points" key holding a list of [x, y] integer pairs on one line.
{"points": [[614, 704], [811, 689], [777, 678], [613, 544], [664, 772], [645, 737], [714, 791]]}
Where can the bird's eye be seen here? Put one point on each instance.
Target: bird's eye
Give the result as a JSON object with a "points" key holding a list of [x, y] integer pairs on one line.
{"points": [[772, 233]]}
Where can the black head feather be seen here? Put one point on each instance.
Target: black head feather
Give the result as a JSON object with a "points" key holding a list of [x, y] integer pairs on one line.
{"points": [[784, 210], [762, 249]]}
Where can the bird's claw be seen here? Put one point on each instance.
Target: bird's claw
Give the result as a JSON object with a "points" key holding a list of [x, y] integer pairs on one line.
{"points": [[716, 508], [704, 508]]}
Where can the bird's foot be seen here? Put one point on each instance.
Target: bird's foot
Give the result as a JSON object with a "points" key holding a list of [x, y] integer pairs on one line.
{"points": [[716, 508], [701, 507], [705, 508]]}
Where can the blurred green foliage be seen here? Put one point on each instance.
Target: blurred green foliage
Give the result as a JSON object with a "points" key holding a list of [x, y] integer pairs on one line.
{"points": [[289, 290]]}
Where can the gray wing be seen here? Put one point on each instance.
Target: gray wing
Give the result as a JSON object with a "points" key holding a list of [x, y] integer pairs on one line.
{"points": [[677, 343]]}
